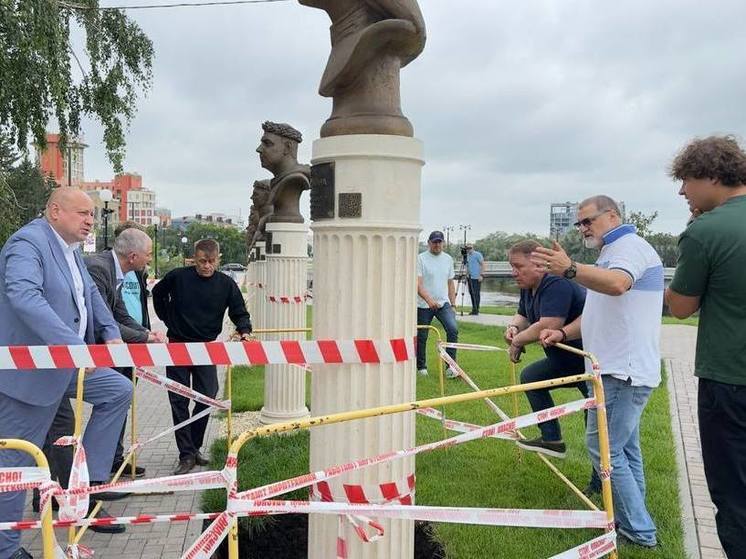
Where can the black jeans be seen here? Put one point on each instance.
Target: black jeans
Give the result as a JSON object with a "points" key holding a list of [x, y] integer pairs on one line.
{"points": [[60, 457], [722, 432], [475, 292], [119, 451], [203, 379]]}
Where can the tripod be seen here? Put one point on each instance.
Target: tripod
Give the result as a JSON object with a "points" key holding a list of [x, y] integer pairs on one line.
{"points": [[462, 279]]}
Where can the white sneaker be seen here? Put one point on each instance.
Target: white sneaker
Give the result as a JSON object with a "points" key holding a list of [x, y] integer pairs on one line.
{"points": [[450, 373], [422, 372]]}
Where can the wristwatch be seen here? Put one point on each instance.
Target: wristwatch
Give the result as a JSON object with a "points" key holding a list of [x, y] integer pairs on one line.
{"points": [[572, 271]]}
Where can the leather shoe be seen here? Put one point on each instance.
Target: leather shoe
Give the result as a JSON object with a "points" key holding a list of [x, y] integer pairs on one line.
{"points": [[21, 554], [107, 495], [106, 528], [127, 472], [185, 466], [200, 460]]}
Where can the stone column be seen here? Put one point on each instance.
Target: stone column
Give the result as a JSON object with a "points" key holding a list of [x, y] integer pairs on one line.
{"points": [[259, 319], [285, 385], [364, 271]]}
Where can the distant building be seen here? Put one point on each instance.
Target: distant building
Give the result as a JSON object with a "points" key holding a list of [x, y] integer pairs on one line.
{"points": [[219, 219], [98, 209], [131, 200], [563, 215], [53, 163], [164, 217]]}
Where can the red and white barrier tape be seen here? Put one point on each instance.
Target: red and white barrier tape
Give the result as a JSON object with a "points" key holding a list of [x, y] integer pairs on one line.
{"points": [[473, 347], [20, 479], [181, 389], [208, 353], [74, 506], [597, 547]]}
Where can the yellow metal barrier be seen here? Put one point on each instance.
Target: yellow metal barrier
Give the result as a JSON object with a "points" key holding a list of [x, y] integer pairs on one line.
{"points": [[47, 532], [235, 447]]}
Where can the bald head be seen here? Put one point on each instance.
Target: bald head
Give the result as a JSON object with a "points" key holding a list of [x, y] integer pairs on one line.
{"points": [[70, 212]]}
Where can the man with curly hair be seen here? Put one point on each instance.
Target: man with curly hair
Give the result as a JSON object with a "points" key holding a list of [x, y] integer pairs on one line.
{"points": [[711, 277]]}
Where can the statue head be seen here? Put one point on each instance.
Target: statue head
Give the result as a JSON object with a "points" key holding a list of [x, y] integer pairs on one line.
{"points": [[278, 148], [260, 195]]}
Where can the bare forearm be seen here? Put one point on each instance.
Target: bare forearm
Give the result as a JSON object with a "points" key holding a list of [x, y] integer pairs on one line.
{"points": [[452, 292]]}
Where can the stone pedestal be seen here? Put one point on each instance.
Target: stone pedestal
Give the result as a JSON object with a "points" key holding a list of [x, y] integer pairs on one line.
{"points": [[364, 271], [285, 385]]}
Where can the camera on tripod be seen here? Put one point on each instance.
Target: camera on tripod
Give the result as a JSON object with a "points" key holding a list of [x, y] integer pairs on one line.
{"points": [[464, 253]]}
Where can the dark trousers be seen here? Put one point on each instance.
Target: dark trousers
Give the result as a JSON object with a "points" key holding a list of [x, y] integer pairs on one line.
{"points": [[203, 379], [447, 317], [475, 291], [542, 399], [119, 451], [60, 457], [722, 432]]}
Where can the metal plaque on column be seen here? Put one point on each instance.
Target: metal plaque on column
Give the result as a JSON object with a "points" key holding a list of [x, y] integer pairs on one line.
{"points": [[322, 191]]}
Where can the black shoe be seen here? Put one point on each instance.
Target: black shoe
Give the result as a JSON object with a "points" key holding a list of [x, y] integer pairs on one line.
{"points": [[107, 495], [200, 460], [21, 554], [185, 466], [106, 528], [472, 313], [591, 489], [127, 472], [550, 448]]}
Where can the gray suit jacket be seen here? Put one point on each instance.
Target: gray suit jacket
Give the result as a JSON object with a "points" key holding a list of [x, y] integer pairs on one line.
{"points": [[104, 273], [37, 307]]}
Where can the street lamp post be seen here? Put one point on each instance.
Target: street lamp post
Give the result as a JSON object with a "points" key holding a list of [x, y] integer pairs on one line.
{"points": [[155, 251], [448, 229], [105, 196], [184, 242]]}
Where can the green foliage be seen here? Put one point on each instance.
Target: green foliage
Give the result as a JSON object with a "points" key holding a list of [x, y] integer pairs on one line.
{"points": [[8, 209], [31, 190], [38, 81], [642, 222], [232, 240]]}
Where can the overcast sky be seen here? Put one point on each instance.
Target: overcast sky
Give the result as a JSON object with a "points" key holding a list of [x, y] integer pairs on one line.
{"points": [[519, 104]]}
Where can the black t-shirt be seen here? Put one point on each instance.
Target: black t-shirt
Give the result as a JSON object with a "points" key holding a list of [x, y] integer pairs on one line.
{"points": [[556, 297]]}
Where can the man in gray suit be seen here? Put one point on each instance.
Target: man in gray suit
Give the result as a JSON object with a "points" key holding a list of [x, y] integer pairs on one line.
{"points": [[48, 298]]}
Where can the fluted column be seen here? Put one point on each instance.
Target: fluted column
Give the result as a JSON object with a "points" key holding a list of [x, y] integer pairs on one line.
{"points": [[260, 320], [285, 385], [364, 287]]}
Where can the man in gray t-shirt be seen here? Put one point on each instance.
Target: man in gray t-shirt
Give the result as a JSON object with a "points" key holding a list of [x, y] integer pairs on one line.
{"points": [[436, 296]]}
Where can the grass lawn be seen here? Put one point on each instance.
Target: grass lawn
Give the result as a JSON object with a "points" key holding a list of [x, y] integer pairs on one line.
{"points": [[503, 310], [488, 473]]}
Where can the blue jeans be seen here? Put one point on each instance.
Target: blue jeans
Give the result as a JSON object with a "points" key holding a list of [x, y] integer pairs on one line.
{"points": [[624, 406], [447, 317], [542, 399]]}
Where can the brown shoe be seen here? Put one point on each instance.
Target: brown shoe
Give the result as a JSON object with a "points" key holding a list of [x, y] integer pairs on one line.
{"points": [[185, 466]]}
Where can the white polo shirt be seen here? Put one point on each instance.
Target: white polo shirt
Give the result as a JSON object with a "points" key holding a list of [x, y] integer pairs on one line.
{"points": [[623, 332], [436, 270]]}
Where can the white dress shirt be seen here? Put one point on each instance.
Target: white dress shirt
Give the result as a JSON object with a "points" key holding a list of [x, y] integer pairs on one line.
{"points": [[69, 251]]}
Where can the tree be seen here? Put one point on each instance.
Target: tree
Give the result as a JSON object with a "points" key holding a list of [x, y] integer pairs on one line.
{"points": [[37, 79], [31, 190], [642, 223]]}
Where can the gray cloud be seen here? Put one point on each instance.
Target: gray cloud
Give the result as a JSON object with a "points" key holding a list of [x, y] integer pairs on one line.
{"points": [[518, 104]]}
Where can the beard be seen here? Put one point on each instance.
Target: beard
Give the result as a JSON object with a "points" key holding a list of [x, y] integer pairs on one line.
{"points": [[591, 242]]}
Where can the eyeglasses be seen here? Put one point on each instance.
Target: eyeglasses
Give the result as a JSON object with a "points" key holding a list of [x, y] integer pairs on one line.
{"points": [[588, 220]]}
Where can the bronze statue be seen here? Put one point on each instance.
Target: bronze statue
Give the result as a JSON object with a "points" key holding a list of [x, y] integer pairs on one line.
{"points": [[371, 41], [261, 210], [278, 153]]}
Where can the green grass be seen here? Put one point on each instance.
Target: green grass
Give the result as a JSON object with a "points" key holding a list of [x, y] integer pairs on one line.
{"points": [[488, 473], [503, 309]]}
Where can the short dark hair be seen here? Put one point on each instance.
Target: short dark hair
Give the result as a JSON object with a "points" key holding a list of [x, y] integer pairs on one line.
{"points": [[208, 246], [714, 157], [524, 247], [129, 224]]}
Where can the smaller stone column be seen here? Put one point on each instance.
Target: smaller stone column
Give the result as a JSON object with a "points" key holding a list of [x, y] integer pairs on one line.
{"points": [[259, 317], [286, 271]]}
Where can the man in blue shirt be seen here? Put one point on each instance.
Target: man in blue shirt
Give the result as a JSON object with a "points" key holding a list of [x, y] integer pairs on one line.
{"points": [[547, 301], [475, 269]]}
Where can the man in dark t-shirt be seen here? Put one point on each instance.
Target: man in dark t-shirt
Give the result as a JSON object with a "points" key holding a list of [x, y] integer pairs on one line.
{"points": [[192, 302], [711, 277], [547, 301]]}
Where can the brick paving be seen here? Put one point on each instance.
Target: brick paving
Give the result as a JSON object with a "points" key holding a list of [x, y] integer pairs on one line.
{"points": [[148, 541]]}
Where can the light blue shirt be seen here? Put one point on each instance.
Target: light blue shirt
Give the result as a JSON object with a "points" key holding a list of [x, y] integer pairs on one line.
{"points": [[69, 251], [131, 296], [474, 262], [436, 272]]}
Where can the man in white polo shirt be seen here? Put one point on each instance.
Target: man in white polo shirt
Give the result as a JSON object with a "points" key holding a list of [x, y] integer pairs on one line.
{"points": [[436, 296], [620, 325]]}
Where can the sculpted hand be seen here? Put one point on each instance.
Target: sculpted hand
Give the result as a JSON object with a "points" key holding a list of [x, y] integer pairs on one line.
{"points": [[554, 260], [550, 337]]}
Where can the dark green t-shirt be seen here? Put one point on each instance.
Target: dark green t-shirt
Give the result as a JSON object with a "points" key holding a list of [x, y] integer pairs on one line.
{"points": [[712, 265]]}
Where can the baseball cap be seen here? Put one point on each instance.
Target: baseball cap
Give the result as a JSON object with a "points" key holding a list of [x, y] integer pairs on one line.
{"points": [[435, 236]]}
